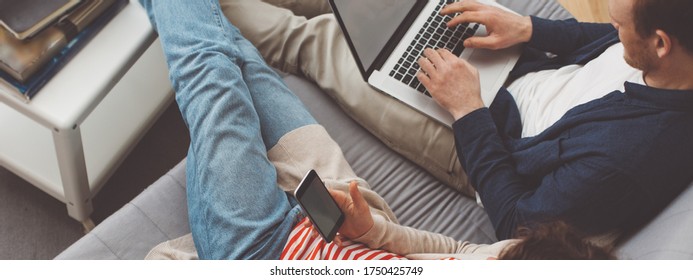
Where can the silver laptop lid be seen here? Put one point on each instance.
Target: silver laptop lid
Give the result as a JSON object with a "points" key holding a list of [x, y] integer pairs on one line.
{"points": [[373, 28]]}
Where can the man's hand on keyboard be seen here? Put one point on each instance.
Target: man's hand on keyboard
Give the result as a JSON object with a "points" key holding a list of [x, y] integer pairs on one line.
{"points": [[504, 28], [452, 82]]}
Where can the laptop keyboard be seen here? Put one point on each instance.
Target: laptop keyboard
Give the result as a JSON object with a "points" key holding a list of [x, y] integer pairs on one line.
{"points": [[434, 34]]}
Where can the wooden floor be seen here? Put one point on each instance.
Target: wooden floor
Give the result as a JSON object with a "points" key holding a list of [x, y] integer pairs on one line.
{"points": [[588, 10]]}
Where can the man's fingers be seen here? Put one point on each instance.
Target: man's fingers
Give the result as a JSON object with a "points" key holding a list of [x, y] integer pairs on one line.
{"points": [[425, 80], [468, 17], [434, 57], [447, 55], [426, 65], [461, 6], [488, 42]]}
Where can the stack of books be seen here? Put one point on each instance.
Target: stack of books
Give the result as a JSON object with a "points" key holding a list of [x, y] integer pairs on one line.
{"points": [[38, 37]]}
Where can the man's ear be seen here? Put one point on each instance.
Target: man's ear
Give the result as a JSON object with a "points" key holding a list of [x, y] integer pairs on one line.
{"points": [[663, 43]]}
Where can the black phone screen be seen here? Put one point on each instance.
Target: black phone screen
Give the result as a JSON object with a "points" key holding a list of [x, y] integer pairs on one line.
{"points": [[321, 208]]}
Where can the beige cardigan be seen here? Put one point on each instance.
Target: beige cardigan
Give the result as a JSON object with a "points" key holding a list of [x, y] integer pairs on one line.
{"points": [[310, 147]]}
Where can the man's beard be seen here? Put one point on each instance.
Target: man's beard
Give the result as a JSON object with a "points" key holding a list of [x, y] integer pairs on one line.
{"points": [[642, 59]]}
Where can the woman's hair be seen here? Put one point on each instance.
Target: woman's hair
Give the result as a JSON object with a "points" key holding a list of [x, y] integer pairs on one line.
{"points": [[553, 241]]}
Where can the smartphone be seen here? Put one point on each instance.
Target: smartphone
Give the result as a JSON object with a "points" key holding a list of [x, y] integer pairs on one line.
{"points": [[319, 205]]}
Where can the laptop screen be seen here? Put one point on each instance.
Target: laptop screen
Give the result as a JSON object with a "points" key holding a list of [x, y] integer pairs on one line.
{"points": [[371, 23]]}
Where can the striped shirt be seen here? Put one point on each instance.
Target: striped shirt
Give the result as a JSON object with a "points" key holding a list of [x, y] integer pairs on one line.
{"points": [[306, 244]]}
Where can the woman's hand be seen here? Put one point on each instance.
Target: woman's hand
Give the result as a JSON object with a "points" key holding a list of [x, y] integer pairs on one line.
{"points": [[357, 215]]}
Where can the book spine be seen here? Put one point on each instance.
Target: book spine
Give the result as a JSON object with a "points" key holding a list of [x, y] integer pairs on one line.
{"points": [[29, 88]]}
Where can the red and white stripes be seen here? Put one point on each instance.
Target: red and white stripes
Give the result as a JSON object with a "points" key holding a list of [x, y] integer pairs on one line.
{"points": [[306, 244]]}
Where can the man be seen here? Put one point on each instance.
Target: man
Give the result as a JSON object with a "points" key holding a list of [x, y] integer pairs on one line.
{"points": [[605, 142]]}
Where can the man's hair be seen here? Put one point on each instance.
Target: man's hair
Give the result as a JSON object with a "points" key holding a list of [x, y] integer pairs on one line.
{"points": [[675, 17], [553, 241]]}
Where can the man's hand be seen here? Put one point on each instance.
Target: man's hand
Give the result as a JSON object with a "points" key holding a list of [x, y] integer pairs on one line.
{"points": [[504, 28], [452, 82], [357, 215]]}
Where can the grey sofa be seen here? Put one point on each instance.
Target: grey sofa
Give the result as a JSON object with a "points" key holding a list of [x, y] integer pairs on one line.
{"points": [[419, 200]]}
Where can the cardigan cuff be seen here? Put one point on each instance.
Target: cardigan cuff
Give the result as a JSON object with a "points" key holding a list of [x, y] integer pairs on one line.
{"points": [[541, 27], [373, 237], [467, 128]]}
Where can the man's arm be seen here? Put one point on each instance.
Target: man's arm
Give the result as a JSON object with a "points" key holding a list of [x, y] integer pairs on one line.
{"points": [[563, 37], [506, 29], [585, 192]]}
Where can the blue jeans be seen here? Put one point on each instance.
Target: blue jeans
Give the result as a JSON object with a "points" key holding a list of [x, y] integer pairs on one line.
{"points": [[236, 108]]}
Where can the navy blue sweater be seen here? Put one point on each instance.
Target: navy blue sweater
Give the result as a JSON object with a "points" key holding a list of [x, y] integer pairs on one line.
{"points": [[612, 163]]}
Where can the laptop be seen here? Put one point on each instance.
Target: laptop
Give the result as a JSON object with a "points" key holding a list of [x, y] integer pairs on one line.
{"points": [[387, 37]]}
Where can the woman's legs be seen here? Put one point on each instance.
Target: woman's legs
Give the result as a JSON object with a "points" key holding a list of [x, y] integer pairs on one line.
{"points": [[235, 108]]}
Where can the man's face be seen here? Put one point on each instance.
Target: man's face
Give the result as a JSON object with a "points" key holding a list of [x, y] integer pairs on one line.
{"points": [[639, 52]]}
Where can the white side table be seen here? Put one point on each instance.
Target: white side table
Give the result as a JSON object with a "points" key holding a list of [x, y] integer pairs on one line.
{"points": [[76, 131]]}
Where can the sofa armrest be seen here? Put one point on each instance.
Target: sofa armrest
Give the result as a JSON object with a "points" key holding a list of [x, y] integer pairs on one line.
{"points": [[667, 236], [158, 214]]}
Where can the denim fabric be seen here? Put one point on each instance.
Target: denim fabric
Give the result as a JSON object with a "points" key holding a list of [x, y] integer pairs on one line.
{"points": [[236, 108]]}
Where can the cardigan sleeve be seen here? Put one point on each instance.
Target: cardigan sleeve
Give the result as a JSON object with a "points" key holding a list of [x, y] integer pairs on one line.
{"points": [[586, 192], [405, 241], [563, 37]]}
